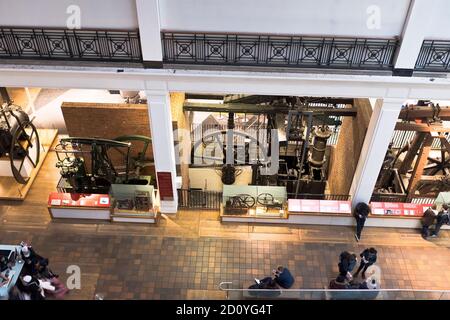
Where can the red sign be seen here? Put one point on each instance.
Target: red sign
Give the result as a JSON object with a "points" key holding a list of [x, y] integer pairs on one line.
{"points": [[56, 199], [165, 186], [398, 208], [320, 206]]}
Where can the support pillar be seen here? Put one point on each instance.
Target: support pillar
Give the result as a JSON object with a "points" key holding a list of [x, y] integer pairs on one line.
{"points": [[376, 142], [163, 149], [150, 32], [414, 30]]}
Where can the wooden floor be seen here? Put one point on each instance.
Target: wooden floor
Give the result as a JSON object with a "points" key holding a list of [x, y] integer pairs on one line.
{"points": [[188, 255], [10, 189]]}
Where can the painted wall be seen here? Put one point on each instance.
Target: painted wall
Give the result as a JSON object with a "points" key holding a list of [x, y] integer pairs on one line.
{"points": [[319, 17], [199, 176], [103, 14]]}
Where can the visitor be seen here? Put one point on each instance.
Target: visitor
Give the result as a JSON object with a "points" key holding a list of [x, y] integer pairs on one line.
{"points": [[361, 213], [268, 284], [340, 282], [442, 218], [31, 287], [369, 283], [368, 258], [428, 220], [30, 259], [347, 262], [283, 277]]}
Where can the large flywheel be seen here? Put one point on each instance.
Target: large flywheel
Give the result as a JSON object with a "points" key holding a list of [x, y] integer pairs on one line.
{"points": [[25, 147]]}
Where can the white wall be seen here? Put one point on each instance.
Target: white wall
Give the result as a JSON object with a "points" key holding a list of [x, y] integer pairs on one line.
{"points": [[48, 105], [212, 177], [439, 28], [318, 17], [103, 14]]}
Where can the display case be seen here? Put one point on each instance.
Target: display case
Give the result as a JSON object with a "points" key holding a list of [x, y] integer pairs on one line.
{"points": [[254, 202], [133, 203]]}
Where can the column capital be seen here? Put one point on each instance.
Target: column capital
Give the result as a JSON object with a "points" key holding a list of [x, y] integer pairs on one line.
{"points": [[392, 103]]}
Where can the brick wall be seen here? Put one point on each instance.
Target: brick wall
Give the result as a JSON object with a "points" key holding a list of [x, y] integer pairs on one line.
{"points": [[345, 155], [108, 121]]}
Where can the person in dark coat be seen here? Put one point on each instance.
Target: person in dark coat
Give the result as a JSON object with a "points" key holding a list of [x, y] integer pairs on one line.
{"points": [[361, 213], [283, 277], [347, 262], [442, 218], [268, 284], [368, 258], [428, 219]]}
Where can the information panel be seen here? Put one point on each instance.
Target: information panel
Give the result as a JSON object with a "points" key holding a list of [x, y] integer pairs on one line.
{"points": [[320, 206], [398, 208], [56, 199], [165, 186]]}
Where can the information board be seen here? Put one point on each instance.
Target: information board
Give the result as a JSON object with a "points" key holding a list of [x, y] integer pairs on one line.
{"points": [[56, 199], [165, 186], [399, 208], [319, 206]]}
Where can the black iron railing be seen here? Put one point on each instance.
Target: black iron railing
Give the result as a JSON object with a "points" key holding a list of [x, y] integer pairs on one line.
{"points": [[61, 44], [341, 197], [399, 197], [284, 51], [388, 197], [434, 56], [199, 199]]}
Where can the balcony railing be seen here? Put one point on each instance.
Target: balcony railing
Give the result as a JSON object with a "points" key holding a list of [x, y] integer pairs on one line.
{"points": [[235, 292], [434, 56], [280, 51], [79, 45]]}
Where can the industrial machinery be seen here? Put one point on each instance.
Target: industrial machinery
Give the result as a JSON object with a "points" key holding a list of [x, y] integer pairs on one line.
{"points": [[267, 200], [140, 160], [421, 166], [85, 163], [239, 204], [92, 165], [303, 126], [19, 140]]}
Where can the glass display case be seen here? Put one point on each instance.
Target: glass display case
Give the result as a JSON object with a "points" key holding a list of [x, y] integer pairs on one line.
{"points": [[254, 201], [132, 201]]}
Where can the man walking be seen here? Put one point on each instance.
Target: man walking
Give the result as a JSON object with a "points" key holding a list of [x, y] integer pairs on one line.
{"points": [[361, 212]]}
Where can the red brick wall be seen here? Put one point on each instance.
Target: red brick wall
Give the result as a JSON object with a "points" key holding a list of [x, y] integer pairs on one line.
{"points": [[107, 120], [345, 155]]}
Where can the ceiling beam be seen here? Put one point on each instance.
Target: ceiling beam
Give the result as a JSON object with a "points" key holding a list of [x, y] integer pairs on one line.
{"points": [[264, 109], [426, 112], [420, 127]]}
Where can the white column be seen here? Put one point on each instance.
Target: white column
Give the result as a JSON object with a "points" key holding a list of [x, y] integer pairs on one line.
{"points": [[376, 142], [150, 32], [163, 146], [414, 30]]}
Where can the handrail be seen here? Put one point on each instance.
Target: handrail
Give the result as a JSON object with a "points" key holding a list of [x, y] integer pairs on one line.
{"points": [[325, 290]]}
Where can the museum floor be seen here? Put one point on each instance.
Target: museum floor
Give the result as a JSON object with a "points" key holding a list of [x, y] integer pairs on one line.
{"points": [[187, 256]]}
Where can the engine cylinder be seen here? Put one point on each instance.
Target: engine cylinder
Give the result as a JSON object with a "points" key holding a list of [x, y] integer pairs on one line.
{"points": [[317, 154]]}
